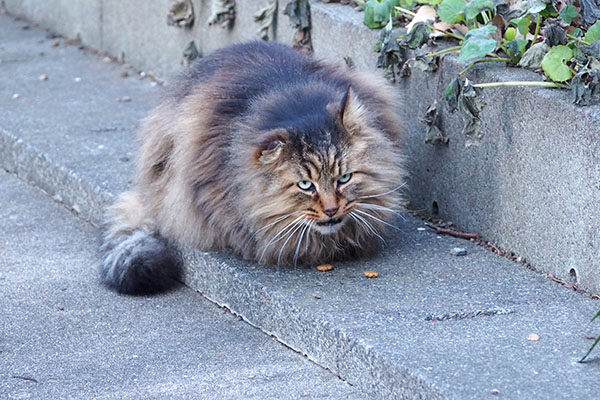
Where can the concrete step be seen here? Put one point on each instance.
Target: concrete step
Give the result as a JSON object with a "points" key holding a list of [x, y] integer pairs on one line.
{"points": [[532, 185], [432, 325], [64, 336]]}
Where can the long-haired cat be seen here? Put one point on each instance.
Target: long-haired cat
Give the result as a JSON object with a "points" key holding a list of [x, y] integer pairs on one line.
{"points": [[263, 150]]}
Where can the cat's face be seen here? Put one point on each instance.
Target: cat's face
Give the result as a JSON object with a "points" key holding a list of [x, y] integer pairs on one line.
{"points": [[343, 176]]}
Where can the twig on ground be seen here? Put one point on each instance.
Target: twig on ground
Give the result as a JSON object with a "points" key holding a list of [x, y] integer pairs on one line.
{"points": [[452, 232]]}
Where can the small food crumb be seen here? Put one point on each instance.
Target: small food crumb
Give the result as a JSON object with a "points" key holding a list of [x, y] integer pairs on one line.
{"points": [[124, 99], [16, 96], [77, 79], [55, 44], [495, 392], [43, 77], [458, 251], [107, 59], [317, 296], [371, 274], [533, 337], [421, 229], [325, 267]]}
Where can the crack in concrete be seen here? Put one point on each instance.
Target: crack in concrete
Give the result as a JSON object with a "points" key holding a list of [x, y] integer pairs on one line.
{"points": [[468, 314]]}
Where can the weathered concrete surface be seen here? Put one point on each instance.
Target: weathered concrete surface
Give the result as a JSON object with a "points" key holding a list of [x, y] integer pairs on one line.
{"points": [[531, 187], [80, 19], [432, 325], [73, 92], [64, 336]]}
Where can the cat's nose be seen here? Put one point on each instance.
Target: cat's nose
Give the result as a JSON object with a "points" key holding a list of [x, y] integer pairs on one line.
{"points": [[331, 211]]}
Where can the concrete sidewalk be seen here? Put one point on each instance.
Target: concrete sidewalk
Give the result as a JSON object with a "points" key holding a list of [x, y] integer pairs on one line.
{"points": [[64, 336], [433, 325]]}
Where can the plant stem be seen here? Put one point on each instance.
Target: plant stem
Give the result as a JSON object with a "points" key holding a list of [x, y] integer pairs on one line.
{"points": [[405, 11], [577, 39], [446, 32], [497, 59], [516, 83], [448, 50], [485, 17], [537, 29]]}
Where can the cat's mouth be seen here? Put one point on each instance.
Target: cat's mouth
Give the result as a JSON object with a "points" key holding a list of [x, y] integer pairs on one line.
{"points": [[330, 226], [331, 222]]}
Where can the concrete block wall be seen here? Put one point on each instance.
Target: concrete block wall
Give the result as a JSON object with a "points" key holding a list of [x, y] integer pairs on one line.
{"points": [[530, 188]]}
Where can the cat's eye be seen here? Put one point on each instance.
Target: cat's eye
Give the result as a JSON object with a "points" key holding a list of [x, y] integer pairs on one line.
{"points": [[344, 178], [305, 185]]}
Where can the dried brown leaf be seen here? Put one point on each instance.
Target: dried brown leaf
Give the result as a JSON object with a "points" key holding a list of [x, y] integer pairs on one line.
{"points": [[424, 14]]}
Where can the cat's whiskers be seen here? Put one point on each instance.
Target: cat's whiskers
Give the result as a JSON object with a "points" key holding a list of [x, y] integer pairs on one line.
{"points": [[310, 226], [289, 236], [306, 226], [281, 232], [379, 207], [279, 219], [362, 222], [383, 194], [377, 219]]}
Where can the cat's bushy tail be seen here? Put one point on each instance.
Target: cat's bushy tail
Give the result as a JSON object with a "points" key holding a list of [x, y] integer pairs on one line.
{"points": [[137, 260]]}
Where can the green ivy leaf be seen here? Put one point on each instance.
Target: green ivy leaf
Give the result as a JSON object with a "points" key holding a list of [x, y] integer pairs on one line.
{"points": [[522, 23], [476, 48], [477, 44], [377, 13], [475, 7], [450, 11], [568, 13], [482, 32], [549, 11], [593, 33], [554, 66], [535, 6]]}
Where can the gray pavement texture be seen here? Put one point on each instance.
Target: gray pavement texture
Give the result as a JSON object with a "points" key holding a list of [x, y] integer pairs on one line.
{"points": [[432, 325], [64, 336]]}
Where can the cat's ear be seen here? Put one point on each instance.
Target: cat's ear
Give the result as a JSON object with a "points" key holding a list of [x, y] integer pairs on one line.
{"points": [[271, 148], [352, 113]]}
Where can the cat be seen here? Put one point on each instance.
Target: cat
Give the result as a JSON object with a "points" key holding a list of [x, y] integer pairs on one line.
{"points": [[264, 150]]}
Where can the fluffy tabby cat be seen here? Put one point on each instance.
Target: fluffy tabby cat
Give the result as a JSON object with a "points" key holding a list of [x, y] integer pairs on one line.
{"points": [[263, 150]]}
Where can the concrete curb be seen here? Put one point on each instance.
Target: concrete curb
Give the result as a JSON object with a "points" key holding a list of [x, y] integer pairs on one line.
{"points": [[86, 200], [530, 188], [433, 325]]}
